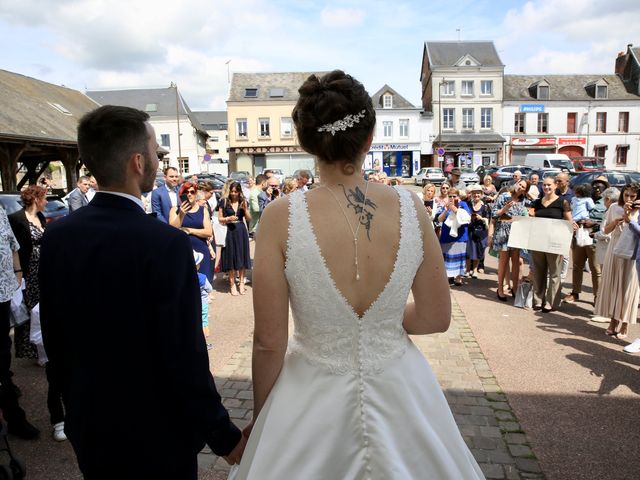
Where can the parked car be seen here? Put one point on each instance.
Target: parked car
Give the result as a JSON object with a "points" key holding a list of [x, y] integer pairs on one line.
{"points": [[433, 175], [469, 176], [239, 175], [549, 160], [617, 178], [504, 174], [583, 164], [53, 210]]}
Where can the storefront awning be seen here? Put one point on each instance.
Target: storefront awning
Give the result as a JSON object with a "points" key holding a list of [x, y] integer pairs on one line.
{"points": [[471, 138]]}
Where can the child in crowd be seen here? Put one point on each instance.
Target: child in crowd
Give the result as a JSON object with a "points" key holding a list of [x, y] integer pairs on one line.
{"points": [[581, 203], [205, 290]]}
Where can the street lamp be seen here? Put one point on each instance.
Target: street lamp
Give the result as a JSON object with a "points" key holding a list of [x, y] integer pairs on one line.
{"points": [[440, 84]]}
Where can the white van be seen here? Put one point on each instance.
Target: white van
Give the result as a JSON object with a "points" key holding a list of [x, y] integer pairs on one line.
{"points": [[548, 160]]}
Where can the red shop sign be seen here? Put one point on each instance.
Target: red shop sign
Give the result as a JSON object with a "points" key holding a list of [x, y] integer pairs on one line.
{"points": [[572, 140]]}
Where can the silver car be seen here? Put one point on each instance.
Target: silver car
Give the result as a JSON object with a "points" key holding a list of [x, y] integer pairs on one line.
{"points": [[469, 177], [433, 175]]}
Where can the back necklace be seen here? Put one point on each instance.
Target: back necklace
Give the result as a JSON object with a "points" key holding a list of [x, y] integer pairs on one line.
{"points": [[361, 216]]}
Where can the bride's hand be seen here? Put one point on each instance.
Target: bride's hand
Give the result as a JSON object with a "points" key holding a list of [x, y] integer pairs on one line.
{"points": [[236, 454]]}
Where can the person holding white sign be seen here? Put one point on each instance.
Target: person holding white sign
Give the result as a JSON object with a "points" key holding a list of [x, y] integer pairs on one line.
{"points": [[547, 295]]}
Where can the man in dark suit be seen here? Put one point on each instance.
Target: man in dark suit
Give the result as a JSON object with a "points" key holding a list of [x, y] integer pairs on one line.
{"points": [[78, 196], [164, 198], [125, 343]]}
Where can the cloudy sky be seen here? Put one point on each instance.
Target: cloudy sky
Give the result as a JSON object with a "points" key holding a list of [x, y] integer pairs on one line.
{"points": [[112, 44]]}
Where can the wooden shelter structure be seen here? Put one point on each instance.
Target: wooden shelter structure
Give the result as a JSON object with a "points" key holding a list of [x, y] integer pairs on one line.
{"points": [[38, 125]]}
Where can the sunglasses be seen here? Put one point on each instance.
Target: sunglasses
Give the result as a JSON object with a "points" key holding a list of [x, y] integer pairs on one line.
{"points": [[191, 192]]}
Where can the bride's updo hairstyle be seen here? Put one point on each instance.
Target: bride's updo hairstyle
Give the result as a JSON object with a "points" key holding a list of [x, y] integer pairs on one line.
{"points": [[334, 97]]}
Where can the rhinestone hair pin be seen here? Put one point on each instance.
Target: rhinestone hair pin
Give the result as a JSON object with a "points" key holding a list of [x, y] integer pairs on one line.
{"points": [[347, 122]]}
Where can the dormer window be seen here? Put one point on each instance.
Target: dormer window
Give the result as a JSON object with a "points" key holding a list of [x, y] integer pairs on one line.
{"points": [[601, 91], [387, 100], [250, 92], [543, 92]]}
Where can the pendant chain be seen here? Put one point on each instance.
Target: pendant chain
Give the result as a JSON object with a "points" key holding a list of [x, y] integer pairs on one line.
{"points": [[354, 233]]}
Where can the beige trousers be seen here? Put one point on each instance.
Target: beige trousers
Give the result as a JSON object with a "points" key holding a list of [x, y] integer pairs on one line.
{"points": [[543, 264], [580, 256]]}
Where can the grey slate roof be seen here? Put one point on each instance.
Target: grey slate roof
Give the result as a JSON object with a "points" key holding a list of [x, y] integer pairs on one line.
{"points": [[163, 98], [446, 54], [287, 83], [398, 100], [564, 87], [212, 120], [26, 111]]}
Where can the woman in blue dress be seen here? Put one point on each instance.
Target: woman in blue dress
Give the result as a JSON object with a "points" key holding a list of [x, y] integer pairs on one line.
{"points": [[454, 247], [233, 212], [193, 219]]}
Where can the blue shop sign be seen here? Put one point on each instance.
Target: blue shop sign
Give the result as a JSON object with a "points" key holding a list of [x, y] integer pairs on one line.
{"points": [[532, 108]]}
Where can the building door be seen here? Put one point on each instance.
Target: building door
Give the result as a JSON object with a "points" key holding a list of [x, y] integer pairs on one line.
{"points": [[389, 163], [572, 151], [404, 164]]}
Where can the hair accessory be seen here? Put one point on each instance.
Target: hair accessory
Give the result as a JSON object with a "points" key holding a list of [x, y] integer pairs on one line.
{"points": [[347, 122]]}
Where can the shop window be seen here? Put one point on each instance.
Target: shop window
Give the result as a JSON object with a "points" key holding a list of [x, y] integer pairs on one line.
{"points": [[486, 118], [601, 122], [623, 122], [518, 123], [543, 123]]}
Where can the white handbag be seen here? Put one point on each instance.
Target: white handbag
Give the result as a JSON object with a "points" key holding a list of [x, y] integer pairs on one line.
{"points": [[626, 245], [582, 237], [19, 311]]}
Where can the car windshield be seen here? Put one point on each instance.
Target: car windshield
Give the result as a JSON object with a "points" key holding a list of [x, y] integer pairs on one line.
{"points": [[434, 170], [468, 170], [561, 164]]}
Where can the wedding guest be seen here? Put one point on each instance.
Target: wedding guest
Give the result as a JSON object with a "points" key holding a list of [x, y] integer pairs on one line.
{"points": [[454, 243], [507, 205], [634, 226], [290, 185], [428, 198], [478, 231], [234, 212], [193, 219], [443, 198], [489, 192], [619, 292], [546, 292]]}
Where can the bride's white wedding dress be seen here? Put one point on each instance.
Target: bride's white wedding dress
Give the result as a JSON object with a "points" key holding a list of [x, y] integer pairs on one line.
{"points": [[355, 398]]}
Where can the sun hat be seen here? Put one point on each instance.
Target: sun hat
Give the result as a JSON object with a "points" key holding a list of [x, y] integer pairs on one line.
{"points": [[601, 179], [474, 188]]}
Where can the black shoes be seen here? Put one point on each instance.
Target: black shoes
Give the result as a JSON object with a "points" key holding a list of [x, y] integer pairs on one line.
{"points": [[23, 430]]}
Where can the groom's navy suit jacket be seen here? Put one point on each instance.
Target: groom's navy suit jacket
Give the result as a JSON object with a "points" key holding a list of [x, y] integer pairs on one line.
{"points": [[122, 326]]}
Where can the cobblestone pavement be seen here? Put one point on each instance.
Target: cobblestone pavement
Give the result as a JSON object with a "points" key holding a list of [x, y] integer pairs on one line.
{"points": [[480, 408]]}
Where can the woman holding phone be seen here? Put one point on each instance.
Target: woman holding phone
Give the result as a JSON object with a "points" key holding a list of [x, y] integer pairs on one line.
{"points": [[193, 219], [454, 243]]}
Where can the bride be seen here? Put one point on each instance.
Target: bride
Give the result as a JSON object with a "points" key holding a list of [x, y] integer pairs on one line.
{"points": [[348, 396]]}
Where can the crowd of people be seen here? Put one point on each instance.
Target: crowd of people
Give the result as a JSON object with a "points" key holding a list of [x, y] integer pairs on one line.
{"points": [[474, 220]]}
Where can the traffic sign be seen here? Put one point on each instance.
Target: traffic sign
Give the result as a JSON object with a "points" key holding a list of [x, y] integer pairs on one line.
{"points": [[440, 151]]}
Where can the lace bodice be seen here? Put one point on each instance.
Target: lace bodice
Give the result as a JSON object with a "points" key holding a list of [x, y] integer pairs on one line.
{"points": [[328, 332]]}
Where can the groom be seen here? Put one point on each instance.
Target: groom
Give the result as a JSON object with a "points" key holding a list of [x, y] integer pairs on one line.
{"points": [[134, 372]]}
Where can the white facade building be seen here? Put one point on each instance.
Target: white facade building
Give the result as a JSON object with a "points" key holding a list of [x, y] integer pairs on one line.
{"points": [[578, 115], [217, 146], [462, 85], [401, 135], [177, 128]]}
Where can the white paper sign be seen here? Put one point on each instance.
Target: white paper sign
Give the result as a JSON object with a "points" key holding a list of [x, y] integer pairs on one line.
{"points": [[541, 235]]}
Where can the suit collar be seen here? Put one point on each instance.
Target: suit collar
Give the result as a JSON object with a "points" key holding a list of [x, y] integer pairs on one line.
{"points": [[116, 200]]}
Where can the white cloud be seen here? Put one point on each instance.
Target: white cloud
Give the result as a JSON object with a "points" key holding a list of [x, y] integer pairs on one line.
{"points": [[341, 17], [564, 36]]}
